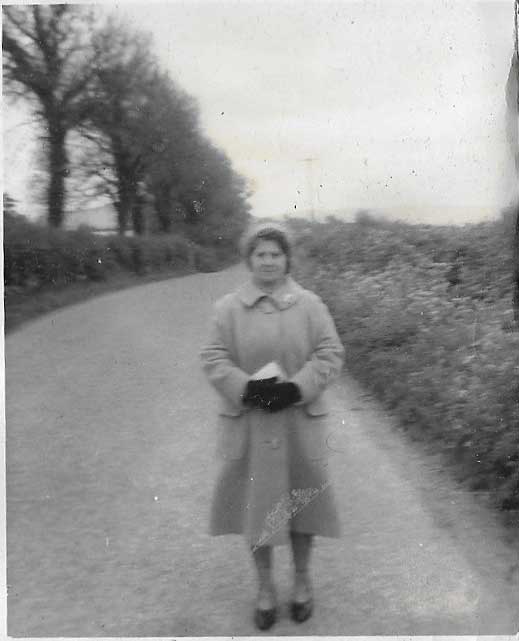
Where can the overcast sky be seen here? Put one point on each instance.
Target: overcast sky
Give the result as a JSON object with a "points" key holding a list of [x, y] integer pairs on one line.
{"points": [[399, 105]]}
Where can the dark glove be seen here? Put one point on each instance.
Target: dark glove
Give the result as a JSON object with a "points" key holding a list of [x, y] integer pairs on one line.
{"points": [[255, 394], [281, 395]]}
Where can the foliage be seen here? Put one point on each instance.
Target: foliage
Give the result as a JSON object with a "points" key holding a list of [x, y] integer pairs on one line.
{"points": [[37, 257], [421, 312]]}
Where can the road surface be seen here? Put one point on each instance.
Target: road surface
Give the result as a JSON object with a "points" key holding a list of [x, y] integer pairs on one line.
{"points": [[110, 467]]}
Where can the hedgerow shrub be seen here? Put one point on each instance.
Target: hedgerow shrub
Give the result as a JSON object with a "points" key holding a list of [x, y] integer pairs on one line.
{"points": [[432, 347], [36, 256]]}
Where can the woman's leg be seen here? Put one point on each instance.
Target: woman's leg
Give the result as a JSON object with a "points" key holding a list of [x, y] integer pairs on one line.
{"points": [[301, 550], [263, 561], [265, 613]]}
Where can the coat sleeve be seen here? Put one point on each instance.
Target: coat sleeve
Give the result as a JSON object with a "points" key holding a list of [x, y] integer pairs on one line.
{"points": [[327, 357], [225, 376]]}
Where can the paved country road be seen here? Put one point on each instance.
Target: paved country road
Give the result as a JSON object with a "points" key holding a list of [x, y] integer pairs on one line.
{"points": [[109, 472]]}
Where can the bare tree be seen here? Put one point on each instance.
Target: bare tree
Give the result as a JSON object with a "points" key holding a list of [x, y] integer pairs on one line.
{"points": [[144, 127], [145, 146], [119, 117], [49, 58]]}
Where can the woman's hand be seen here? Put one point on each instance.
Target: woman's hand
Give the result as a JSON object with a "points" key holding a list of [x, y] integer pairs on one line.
{"points": [[282, 395], [257, 392], [268, 395]]}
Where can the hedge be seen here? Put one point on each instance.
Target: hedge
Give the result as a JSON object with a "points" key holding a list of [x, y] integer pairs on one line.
{"points": [[37, 256], [423, 313]]}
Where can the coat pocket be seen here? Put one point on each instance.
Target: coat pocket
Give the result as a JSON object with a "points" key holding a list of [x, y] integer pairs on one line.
{"points": [[318, 407], [312, 435], [228, 409], [232, 436]]}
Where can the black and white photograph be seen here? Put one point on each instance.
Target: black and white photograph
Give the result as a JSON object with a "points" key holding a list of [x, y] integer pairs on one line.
{"points": [[261, 318]]}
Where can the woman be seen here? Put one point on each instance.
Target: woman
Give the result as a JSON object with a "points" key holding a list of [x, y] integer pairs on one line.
{"points": [[273, 487]]}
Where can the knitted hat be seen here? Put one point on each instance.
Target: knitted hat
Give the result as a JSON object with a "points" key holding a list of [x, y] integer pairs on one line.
{"points": [[272, 231]]}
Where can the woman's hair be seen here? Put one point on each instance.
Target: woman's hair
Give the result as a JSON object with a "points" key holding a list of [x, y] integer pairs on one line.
{"points": [[274, 232]]}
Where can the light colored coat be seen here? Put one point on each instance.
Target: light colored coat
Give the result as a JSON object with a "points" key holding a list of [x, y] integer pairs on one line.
{"points": [[250, 329]]}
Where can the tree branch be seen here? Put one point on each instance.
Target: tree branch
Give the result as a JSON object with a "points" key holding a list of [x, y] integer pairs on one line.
{"points": [[17, 22], [80, 84], [24, 68]]}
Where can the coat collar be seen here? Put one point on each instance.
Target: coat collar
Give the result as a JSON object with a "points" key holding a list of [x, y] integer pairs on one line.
{"points": [[283, 297]]}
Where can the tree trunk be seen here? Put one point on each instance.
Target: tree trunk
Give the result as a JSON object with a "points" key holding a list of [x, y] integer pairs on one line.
{"points": [[164, 206], [138, 223], [58, 169], [125, 206]]}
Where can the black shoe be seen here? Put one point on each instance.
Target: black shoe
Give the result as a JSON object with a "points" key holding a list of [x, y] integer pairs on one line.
{"points": [[301, 612], [265, 619]]}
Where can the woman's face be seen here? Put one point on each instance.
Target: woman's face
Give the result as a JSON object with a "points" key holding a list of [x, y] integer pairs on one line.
{"points": [[268, 263]]}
